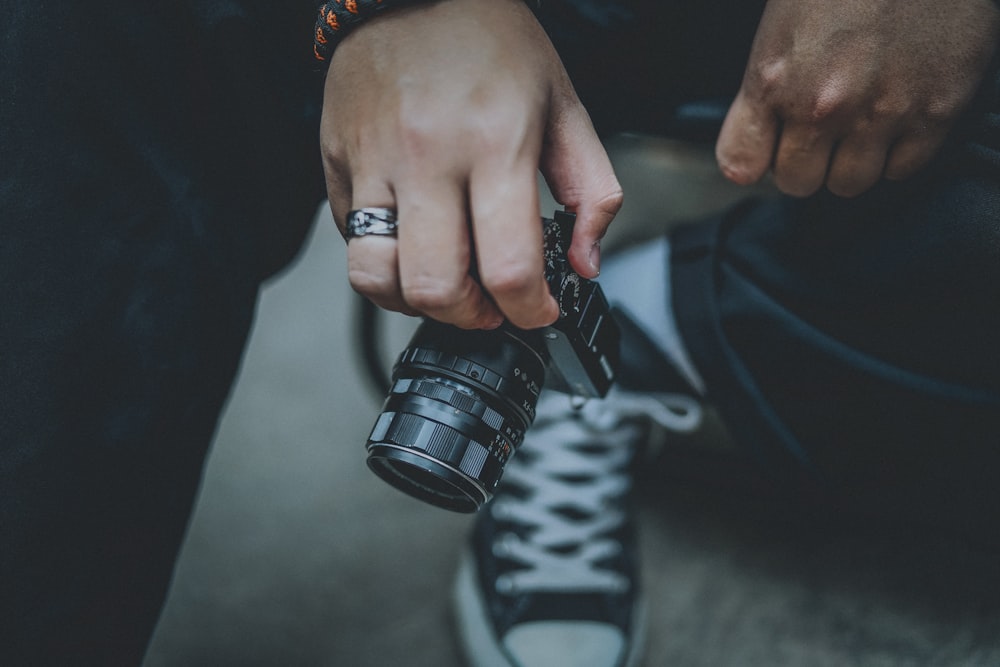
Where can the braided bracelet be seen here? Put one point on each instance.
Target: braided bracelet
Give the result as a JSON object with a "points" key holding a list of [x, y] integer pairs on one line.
{"points": [[337, 18]]}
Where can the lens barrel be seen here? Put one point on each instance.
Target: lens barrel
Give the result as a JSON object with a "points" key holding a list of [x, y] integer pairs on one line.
{"points": [[459, 406]]}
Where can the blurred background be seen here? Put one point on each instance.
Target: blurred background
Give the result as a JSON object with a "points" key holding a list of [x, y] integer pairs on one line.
{"points": [[297, 555]]}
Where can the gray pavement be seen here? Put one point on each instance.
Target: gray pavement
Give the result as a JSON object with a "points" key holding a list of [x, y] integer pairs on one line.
{"points": [[297, 555]]}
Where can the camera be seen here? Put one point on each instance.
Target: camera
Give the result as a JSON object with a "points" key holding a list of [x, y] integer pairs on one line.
{"points": [[461, 400]]}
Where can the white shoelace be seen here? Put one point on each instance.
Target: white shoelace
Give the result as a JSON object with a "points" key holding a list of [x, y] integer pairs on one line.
{"points": [[579, 465]]}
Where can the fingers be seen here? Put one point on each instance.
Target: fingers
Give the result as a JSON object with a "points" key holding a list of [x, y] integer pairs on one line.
{"points": [[371, 269], [580, 176], [338, 191], [857, 165], [747, 141], [911, 152], [435, 256], [804, 157], [427, 269], [508, 235], [372, 262], [754, 139], [800, 165]]}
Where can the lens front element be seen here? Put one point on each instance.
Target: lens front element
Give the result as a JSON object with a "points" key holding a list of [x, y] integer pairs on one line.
{"points": [[453, 418]]}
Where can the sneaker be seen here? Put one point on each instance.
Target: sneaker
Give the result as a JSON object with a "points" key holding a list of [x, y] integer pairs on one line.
{"points": [[551, 576]]}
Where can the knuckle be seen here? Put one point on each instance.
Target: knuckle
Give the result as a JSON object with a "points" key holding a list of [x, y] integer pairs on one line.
{"points": [[825, 106], [431, 295], [830, 99], [424, 129], [940, 111], [488, 131], [330, 151], [612, 201], [414, 143], [769, 76], [510, 280], [333, 155], [533, 318], [418, 134], [886, 110]]}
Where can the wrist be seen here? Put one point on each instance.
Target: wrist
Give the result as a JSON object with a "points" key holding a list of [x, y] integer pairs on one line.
{"points": [[337, 18]]}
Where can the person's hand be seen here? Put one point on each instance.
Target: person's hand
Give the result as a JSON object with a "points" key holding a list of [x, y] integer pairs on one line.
{"points": [[844, 92], [445, 111]]}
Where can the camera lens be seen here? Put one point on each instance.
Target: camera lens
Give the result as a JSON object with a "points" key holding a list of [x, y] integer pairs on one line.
{"points": [[459, 406]]}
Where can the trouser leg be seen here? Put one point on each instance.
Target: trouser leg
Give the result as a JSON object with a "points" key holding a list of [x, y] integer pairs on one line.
{"points": [[154, 172], [856, 339], [849, 343], [109, 406]]}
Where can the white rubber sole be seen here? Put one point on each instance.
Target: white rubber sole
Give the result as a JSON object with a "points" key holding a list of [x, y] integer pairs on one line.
{"points": [[482, 648]]}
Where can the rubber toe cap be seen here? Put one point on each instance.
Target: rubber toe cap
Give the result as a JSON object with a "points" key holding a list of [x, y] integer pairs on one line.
{"points": [[565, 644]]}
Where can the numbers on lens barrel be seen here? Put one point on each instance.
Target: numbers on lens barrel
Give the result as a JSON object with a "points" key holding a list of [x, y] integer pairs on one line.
{"points": [[499, 448]]}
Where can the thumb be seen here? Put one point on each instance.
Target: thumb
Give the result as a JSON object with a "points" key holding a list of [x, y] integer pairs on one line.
{"points": [[581, 178], [745, 147]]}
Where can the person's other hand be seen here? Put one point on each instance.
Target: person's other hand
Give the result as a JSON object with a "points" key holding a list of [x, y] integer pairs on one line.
{"points": [[445, 111], [845, 92]]}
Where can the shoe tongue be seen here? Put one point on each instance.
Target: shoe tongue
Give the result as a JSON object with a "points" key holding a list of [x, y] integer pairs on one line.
{"points": [[644, 367]]}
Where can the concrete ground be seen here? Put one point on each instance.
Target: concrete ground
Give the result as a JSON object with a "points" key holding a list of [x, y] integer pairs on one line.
{"points": [[298, 556]]}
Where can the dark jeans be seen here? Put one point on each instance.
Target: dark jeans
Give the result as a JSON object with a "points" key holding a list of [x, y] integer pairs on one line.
{"points": [[851, 345], [157, 162]]}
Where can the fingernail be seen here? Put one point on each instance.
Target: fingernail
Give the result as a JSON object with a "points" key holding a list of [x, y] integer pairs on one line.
{"points": [[595, 257], [494, 323]]}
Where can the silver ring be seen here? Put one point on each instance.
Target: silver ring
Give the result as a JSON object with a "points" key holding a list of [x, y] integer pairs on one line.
{"points": [[371, 222]]}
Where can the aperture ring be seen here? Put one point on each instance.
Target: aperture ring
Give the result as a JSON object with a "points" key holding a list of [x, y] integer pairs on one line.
{"points": [[520, 393], [454, 403]]}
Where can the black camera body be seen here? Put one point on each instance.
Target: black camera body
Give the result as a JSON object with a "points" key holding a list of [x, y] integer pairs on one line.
{"points": [[460, 400], [583, 343]]}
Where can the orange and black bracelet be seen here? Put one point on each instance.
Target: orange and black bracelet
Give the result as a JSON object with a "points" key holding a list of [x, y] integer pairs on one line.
{"points": [[337, 18]]}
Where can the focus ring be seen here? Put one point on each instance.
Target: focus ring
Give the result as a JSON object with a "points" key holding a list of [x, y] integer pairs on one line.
{"points": [[521, 393], [455, 399]]}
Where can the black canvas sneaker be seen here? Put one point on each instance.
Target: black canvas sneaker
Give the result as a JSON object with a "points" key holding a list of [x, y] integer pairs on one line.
{"points": [[551, 576]]}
